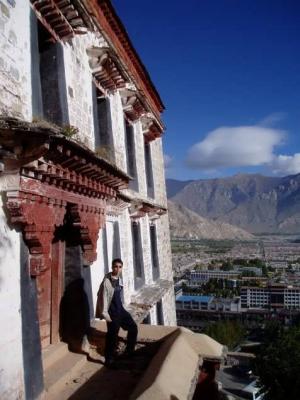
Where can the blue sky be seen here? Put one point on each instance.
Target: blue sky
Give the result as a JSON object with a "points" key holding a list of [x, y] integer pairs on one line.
{"points": [[228, 72]]}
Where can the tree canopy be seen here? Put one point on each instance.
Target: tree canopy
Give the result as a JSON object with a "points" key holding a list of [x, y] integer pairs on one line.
{"points": [[229, 333], [278, 363]]}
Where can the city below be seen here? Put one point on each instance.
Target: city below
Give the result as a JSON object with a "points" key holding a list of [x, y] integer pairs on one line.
{"points": [[232, 290]]}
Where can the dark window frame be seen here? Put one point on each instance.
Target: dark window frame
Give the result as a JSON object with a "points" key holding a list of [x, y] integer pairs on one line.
{"points": [[149, 170], [159, 313], [154, 252], [131, 155], [138, 262]]}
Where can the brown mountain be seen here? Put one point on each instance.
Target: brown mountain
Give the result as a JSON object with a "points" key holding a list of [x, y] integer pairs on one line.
{"points": [[187, 224], [253, 202]]}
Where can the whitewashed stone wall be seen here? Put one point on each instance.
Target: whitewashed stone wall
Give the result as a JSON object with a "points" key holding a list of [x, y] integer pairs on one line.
{"points": [[127, 255], [153, 316], [146, 249], [118, 129], [79, 89], [140, 158], [15, 62], [168, 306], [11, 360], [158, 172], [164, 247], [98, 268]]}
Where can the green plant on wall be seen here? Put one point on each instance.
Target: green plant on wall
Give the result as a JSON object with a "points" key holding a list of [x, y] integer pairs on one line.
{"points": [[69, 131]]}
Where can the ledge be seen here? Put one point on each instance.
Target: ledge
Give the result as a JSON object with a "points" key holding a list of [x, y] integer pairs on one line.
{"points": [[174, 367], [25, 142], [140, 206], [147, 297], [174, 370]]}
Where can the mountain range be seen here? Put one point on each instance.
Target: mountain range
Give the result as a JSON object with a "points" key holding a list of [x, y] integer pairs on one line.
{"points": [[255, 203], [185, 223]]}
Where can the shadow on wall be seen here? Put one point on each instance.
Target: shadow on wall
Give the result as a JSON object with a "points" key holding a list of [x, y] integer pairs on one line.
{"points": [[74, 321], [5, 241]]}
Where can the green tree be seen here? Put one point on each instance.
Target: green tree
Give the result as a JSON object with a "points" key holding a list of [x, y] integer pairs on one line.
{"points": [[278, 363], [229, 333]]}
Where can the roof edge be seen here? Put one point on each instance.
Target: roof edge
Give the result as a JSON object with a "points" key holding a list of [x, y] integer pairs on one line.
{"points": [[114, 31]]}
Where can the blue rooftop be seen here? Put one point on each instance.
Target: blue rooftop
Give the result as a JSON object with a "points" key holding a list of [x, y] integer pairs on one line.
{"points": [[200, 299]]}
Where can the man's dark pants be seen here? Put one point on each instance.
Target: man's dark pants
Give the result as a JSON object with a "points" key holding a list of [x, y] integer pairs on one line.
{"points": [[123, 320]]}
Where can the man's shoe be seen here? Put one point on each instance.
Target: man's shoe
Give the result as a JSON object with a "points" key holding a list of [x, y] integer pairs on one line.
{"points": [[128, 354], [109, 363]]}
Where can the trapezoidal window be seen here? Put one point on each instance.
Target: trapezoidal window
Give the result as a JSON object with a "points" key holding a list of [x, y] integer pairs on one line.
{"points": [[138, 264], [104, 144], [131, 155], [149, 171], [154, 252], [159, 313], [113, 241], [49, 95]]}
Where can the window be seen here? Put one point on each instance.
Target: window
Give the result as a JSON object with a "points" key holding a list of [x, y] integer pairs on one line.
{"points": [[131, 156], [49, 95], [139, 278], [105, 251], [159, 313], [147, 320], [112, 237], [154, 253], [102, 125], [149, 171]]}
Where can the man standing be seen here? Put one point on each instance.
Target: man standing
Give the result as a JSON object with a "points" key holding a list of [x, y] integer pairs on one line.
{"points": [[110, 307]]}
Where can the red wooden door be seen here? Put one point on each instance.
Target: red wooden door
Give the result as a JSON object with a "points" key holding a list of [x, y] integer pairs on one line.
{"points": [[57, 285], [50, 288]]}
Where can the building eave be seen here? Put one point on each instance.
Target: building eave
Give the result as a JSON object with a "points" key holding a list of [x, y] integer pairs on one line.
{"points": [[110, 25]]}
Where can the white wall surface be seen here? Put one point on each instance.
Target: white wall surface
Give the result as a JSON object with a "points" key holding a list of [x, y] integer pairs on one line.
{"points": [[15, 62], [11, 360]]}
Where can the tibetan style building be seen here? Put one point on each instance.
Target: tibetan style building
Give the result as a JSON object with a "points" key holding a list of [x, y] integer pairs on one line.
{"points": [[81, 180]]}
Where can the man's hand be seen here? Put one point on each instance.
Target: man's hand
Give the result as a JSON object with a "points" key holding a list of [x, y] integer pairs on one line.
{"points": [[106, 317]]}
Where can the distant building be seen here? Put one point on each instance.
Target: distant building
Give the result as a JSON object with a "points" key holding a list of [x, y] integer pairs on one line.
{"points": [[208, 303], [272, 296], [193, 302], [199, 277], [226, 304]]}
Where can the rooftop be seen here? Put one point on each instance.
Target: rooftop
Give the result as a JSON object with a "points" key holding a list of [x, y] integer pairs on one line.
{"points": [[200, 299]]}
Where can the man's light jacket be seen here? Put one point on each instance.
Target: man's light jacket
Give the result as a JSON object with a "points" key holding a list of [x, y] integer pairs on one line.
{"points": [[105, 295]]}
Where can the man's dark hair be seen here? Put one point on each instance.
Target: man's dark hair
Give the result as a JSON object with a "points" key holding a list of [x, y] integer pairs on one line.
{"points": [[117, 260]]}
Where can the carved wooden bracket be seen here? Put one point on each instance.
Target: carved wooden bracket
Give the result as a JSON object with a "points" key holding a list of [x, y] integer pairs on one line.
{"points": [[106, 69], [88, 220], [132, 104], [139, 209], [63, 19], [150, 127], [37, 216]]}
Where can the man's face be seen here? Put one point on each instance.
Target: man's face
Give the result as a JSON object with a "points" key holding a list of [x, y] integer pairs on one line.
{"points": [[117, 269]]}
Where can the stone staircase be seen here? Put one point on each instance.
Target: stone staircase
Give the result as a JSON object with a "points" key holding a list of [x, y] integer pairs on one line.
{"points": [[60, 366]]}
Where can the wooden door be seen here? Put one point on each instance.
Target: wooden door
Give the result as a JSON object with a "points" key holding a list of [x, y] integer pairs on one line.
{"points": [[50, 288], [57, 287]]}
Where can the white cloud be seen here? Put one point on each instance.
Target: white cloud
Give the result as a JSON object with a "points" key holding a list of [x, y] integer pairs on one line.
{"points": [[167, 161], [240, 146], [286, 165], [272, 119]]}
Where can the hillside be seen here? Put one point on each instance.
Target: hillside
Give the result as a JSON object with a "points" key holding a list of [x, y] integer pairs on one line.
{"points": [[187, 224], [253, 202]]}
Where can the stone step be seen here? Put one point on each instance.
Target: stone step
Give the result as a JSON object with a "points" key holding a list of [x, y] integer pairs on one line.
{"points": [[64, 369], [53, 353]]}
